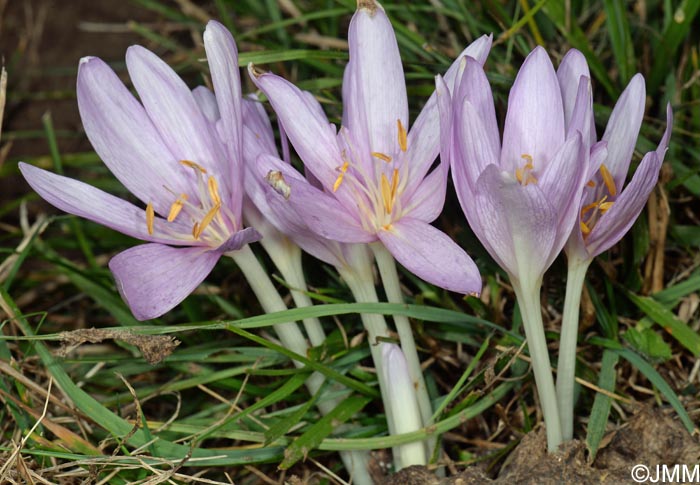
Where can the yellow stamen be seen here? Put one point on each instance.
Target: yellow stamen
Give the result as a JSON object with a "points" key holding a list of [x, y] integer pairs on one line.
{"points": [[195, 230], [214, 191], [608, 179], [394, 185], [519, 175], [530, 179], [150, 218], [386, 193], [381, 156], [588, 207], [590, 183], [338, 181], [206, 221], [191, 164], [529, 165], [605, 206], [176, 207], [403, 136], [343, 169], [584, 228], [174, 210]]}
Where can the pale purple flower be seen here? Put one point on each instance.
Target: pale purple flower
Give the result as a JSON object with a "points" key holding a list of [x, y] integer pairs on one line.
{"points": [[606, 210], [371, 179], [179, 153], [520, 197]]}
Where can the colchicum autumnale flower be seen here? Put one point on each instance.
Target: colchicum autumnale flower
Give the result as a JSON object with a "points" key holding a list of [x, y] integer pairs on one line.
{"points": [[521, 197], [184, 167], [606, 211], [371, 177]]}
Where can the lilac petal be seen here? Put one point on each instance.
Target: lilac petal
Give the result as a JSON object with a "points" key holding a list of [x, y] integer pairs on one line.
{"points": [[322, 213], [427, 201], [623, 128], [619, 218], [535, 120], [173, 109], [572, 67], [310, 134], [124, 137], [427, 195], [424, 136], [379, 88], [563, 181], [86, 201], [473, 148], [240, 239], [259, 126], [222, 55], [154, 278], [431, 255], [207, 103], [354, 116], [581, 120], [517, 224]]}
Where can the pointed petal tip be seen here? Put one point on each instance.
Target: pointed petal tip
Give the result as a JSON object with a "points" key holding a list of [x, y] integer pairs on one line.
{"points": [[255, 72], [370, 6]]}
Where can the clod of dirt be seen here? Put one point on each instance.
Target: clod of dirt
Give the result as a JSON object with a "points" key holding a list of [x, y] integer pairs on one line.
{"points": [[649, 438], [154, 348]]}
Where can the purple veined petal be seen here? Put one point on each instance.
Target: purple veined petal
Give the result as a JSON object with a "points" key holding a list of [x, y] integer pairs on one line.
{"points": [[258, 137], [424, 137], [309, 133], [256, 119], [581, 120], [517, 224], [380, 86], [535, 119], [475, 87], [615, 223], [425, 197], [435, 137], [207, 103], [623, 128], [176, 115], [427, 201], [154, 278], [571, 68], [222, 56], [124, 137], [354, 116], [473, 148], [663, 144], [431, 255], [323, 214], [564, 177], [239, 239], [273, 205], [86, 201], [563, 181]]}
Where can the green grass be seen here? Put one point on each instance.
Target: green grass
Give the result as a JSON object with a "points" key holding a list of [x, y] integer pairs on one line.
{"points": [[227, 400]]}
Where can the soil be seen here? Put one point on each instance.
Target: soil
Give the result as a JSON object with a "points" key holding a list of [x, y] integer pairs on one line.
{"points": [[649, 438]]}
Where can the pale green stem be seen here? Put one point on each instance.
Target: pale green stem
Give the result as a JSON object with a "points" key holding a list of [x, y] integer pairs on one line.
{"points": [[291, 337], [528, 295], [287, 257], [361, 284], [392, 288], [566, 366]]}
